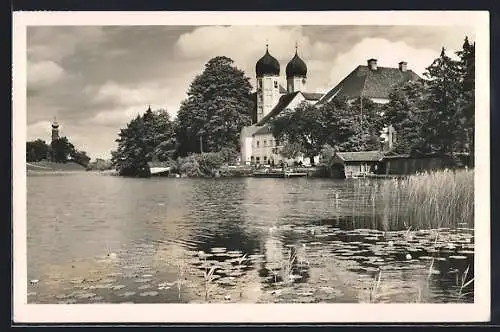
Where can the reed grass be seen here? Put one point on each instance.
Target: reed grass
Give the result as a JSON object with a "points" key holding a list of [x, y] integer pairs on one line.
{"points": [[428, 200]]}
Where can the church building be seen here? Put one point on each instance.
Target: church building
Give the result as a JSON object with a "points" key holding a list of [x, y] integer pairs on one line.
{"points": [[257, 143]]}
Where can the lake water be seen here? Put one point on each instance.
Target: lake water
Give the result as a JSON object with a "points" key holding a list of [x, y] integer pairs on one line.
{"points": [[96, 238]]}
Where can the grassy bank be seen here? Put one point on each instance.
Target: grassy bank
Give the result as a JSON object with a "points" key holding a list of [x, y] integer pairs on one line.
{"points": [[431, 200]]}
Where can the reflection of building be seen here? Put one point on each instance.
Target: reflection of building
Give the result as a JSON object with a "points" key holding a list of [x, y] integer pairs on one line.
{"points": [[258, 145]]}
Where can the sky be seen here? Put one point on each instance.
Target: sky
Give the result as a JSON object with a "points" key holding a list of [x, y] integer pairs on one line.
{"points": [[95, 79]]}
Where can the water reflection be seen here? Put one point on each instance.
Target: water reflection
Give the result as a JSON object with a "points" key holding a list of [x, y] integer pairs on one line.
{"points": [[94, 238]]}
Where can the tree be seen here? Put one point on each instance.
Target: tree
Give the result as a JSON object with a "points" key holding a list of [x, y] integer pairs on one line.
{"points": [[37, 150], [404, 113], [443, 124], [467, 66], [301, 127], [61, 150], [368, 127], [217, 107], [80, 157], [341, 125], [291, 150], [146, 138], [131, 156]]}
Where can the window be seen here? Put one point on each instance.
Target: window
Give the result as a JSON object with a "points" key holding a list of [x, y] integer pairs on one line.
{"points": [[257, 160], [265, 158], [265, 144], [277, 142], [258, 143], [275, 84], [259, 83]]}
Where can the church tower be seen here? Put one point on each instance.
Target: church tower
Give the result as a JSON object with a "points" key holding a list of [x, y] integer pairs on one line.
{"points": [[55, 130], [267, 72], [296, 74]]}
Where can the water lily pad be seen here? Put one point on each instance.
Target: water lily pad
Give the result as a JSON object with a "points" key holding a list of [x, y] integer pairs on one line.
{"points": [[218, 250], [152, 293], [466, 252], [226, 281], [142, 280], [145, 286], [127, 294], [457, 257], [31, 294], [118, 287], [426, 258]]}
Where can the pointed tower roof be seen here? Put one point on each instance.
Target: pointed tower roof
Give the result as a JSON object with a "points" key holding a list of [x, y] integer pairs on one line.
{"points": [[296, 66], [267, 65]]}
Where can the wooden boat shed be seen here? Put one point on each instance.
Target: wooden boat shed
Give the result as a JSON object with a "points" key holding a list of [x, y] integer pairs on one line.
{"points": [[356, 164]]}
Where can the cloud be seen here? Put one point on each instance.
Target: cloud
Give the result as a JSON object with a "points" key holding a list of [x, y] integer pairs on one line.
{"points": [[43, 73]]}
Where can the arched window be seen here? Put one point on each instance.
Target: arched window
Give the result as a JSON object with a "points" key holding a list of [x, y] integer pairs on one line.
{"points": [[258, 143], [275, 84]]}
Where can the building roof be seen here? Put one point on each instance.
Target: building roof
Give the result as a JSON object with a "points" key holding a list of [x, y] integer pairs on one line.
{"points": [[267, 65], [361, 156], [283, 102], [296, 67], [282, 90], [312, 95], [263, 130], [370, 83]]}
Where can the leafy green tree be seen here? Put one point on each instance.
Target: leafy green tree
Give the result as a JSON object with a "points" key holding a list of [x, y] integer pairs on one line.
{"points": [[291, 150], [150, 137], [217, 107], [467, 65], [404, 113], [131, 156], [443, 124], [340, 125], [37, 150], [302, 127], [61, 150], [368, 125], [80, 157]]}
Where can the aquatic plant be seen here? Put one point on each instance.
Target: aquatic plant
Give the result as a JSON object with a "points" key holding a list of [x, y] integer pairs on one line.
{"points": [[423, 201], [462, 284], [288, 266], [209, 277]]}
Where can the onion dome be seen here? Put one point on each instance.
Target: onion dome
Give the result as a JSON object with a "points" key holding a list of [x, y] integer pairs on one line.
{"points": [[267, 65], [55, 124], [296, 67]]}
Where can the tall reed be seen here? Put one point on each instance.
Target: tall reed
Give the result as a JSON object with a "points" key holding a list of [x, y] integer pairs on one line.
{"points": [[422, 201]]}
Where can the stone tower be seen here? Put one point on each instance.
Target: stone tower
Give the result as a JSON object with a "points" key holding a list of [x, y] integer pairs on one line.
{"points": [[296, 74], [267, 72], [55, 130]]}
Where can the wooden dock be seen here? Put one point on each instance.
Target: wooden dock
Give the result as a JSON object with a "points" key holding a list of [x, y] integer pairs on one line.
{"points": [[278, 174]]}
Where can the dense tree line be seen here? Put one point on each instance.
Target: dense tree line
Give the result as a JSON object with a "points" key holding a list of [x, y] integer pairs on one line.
{"points": [[60, 150], [209, 121]]}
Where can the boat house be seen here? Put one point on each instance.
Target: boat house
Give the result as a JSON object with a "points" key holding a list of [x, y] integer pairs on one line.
{"points": [[355, 164], [402, 164]]}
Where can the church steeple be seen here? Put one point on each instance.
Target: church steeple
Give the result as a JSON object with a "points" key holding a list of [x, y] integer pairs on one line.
{"points": [[296, 73], [267, 71]]}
